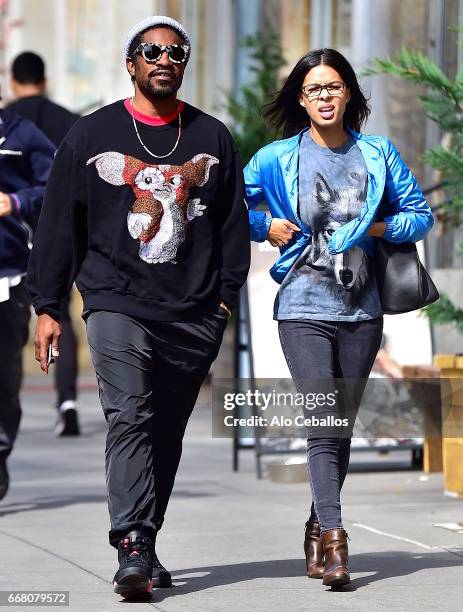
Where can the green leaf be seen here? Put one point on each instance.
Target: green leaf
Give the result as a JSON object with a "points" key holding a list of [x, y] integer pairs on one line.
{"points": [[244, 106], [444, 312], [444, 159], [442, 100]]}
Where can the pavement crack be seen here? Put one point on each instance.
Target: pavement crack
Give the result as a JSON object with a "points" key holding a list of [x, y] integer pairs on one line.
{"points": [[453, 552], [76, 565], [53, 554]]}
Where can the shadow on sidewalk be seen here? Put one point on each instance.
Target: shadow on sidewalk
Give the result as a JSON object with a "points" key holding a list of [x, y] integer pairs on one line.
{"points": [[381, 566], [392, 564], [49, 503], [52, 502]]}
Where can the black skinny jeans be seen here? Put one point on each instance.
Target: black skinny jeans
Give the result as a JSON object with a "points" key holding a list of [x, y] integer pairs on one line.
{"points": [[327, 350]]}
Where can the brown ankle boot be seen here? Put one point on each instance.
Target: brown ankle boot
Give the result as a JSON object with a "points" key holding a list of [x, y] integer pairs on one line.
{"points": [[313, 550], [334, 544]]}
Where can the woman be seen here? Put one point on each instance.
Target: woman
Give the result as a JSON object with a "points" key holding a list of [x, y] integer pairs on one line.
{"points": [[331, 192]]}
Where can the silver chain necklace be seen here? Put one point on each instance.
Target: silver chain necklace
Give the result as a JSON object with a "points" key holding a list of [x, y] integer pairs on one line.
{"points": [[143, 144]]}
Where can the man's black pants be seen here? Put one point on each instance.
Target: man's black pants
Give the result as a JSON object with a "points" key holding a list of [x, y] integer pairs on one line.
{"points": [[149, 375], [14, 332]]}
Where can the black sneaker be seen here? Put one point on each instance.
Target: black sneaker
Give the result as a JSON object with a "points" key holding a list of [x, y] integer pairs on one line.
{"points": [[67, 423], [161, 577], [4, 479], [135, 554]]}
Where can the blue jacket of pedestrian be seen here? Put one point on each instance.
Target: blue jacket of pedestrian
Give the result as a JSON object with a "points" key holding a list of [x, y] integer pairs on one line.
{"points": [[26, 157], [271, 176]]}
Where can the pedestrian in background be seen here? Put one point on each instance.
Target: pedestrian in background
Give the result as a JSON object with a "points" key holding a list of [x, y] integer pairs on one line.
{"points": [[145, 205], [29, 85], [26, 156], [324, 185]]}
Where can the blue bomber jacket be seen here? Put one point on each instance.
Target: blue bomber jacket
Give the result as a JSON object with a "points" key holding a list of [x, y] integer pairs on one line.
{"points": [[393, 195]]}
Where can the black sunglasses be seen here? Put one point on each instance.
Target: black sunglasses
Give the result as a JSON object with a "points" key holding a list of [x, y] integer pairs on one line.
{"points": [[152, 52]]}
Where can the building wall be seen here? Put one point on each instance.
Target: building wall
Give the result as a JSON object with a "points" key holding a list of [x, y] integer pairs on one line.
{"points": [[81, 42]]}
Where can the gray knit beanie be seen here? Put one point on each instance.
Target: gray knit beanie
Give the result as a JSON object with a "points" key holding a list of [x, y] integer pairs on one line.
{"points": [[151, 22]]}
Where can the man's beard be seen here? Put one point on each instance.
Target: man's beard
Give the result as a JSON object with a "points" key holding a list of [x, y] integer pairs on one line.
{"points": [[150, 90]]}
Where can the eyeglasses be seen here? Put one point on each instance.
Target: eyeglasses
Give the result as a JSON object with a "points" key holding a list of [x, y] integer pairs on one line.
{"points": [[152, 52], [314, 90]]}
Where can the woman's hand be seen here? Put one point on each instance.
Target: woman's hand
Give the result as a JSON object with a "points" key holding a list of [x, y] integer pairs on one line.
{"points": [[377, 229], [6, 208], [281, 231]]}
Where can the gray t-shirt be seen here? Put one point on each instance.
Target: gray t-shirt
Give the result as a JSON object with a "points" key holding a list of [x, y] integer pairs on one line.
{"points": [[332, 191]]}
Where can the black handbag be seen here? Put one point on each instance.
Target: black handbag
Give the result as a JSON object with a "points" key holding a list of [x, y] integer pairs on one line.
{"points": [[403, 282]]}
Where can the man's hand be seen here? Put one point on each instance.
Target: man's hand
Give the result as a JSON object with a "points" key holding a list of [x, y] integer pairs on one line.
{"points": [[6, 206], [281, 232], [48, 331]]}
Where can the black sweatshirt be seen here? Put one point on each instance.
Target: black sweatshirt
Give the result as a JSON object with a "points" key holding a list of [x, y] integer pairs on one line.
{"points": [[52, 119], [161, 239]]}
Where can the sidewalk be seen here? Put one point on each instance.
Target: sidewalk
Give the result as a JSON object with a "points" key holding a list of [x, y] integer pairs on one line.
{"points": [[232, 542]]}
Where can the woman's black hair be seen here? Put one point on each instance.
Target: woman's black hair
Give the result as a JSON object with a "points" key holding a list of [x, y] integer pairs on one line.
{"points": [[285, 113]]}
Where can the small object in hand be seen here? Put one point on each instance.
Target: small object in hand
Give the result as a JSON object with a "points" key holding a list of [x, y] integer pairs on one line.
{"points": [[225, 307], [50, 357]]}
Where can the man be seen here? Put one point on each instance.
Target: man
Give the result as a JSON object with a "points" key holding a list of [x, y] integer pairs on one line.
{"points": [[145, 203], [26, 157], [29, 84]]}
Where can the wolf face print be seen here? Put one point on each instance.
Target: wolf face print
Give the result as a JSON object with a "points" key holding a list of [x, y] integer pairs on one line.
{"points": [[332, 208]]}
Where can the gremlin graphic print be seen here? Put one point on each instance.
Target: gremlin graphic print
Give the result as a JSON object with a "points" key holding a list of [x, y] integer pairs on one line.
{"points": [[162, 210]]}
